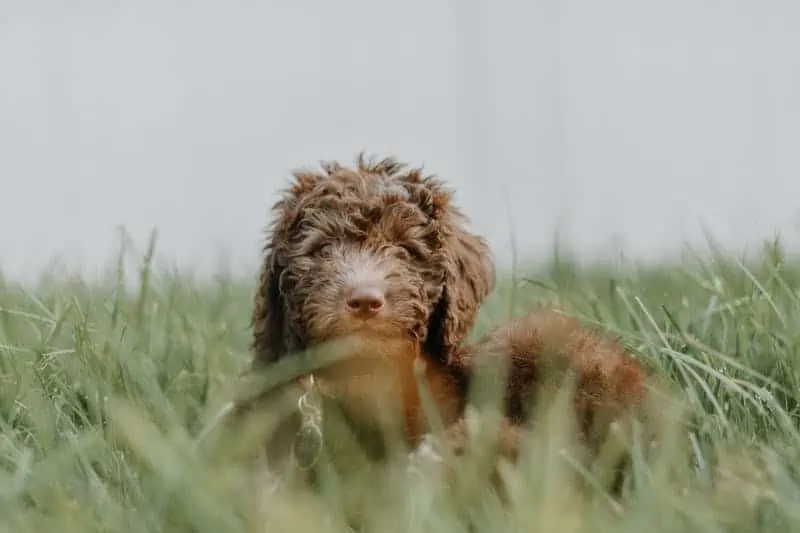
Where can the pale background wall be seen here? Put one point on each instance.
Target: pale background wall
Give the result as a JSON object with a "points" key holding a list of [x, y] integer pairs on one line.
{"points": [[628, 122]]}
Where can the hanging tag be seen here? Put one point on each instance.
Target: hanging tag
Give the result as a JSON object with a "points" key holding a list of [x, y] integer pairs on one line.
{"points": [[308, 441], [308, 445]]}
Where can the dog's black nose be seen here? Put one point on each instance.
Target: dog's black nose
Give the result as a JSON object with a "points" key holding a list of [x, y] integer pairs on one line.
{"points": [[365, 300]]}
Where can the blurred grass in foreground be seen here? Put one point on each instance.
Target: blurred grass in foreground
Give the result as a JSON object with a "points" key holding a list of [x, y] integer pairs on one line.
{"points": [[104, 388]]}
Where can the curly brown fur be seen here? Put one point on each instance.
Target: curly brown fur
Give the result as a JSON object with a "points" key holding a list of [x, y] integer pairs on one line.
{"points": [[533, 354], [392, 237], [379, 251], [541, 347], [379, 226]]}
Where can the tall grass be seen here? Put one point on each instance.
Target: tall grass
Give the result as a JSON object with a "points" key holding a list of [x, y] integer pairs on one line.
{"points": [[104, 389]]}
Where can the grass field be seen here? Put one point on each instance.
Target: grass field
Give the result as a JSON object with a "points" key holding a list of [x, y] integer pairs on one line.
{"points": [[103, 390]]}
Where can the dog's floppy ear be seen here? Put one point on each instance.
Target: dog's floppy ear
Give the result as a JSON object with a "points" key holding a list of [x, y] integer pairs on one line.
{"points": [[267, 321], [466, 263], [468, 280], [270, 339]]}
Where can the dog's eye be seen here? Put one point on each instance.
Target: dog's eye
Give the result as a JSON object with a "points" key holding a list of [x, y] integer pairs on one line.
{"points": [[322, 248]]}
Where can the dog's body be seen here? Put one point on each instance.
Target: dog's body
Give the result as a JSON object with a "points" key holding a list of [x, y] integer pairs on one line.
{"points": [[379, 252]]}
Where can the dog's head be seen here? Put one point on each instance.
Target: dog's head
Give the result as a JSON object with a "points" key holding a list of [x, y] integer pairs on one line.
{"points": [[378, 249]]}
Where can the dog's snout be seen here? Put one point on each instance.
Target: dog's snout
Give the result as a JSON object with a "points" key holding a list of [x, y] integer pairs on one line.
{"points": [[365, 300]]}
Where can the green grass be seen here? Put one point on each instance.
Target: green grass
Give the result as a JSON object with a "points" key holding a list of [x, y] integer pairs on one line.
{"points": [[104, 389]]}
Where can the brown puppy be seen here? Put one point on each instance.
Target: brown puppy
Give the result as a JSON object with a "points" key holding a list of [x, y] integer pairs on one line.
{"points": [[379, 252]]}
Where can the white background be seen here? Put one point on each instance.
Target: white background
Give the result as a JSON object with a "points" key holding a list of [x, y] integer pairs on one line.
{"points": [[627, 122]]}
